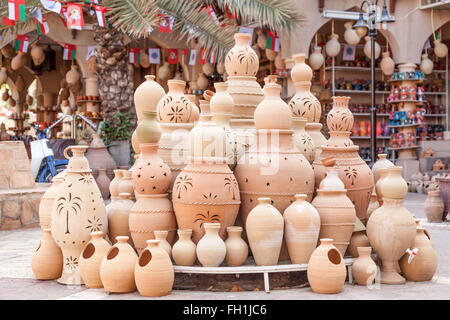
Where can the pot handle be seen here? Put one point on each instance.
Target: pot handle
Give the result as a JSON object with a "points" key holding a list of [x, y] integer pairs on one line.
{"points": [[65, 152]]}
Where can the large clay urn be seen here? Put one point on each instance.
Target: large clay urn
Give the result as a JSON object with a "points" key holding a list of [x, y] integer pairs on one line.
{"points": [[211, 249], [391, 228], [264, 227], [118, 217], [79, 210], [48, 200], [242, 60], [154, 272], [47, 260], [433, 206], [423, 265], [237, 248], [364, 268], [302, 139], [304, 103], [382, 162], [184, 250], [91, 258], [301, 229], [326, 269], [174, 107]]}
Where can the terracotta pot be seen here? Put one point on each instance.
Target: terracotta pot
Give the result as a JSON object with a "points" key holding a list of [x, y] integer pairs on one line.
{"points": [[261, 40], [211, 249], [144, 61], [126, 184], [279, 62], [270, 106], [117, 267], [135, 141], [304, 103], [151, 212], [246, 93], [99, 158], [237, 248], [174, 107], [154, 271], [332, 180], [313, 129], [161, 236], [78, 211], [118, 218], [184, 250], [364, 268], [47, 260], [302, 139], [382, 162], [242, 60], [373, 205], [440, 49], [208, 69], [220, 67], [368, 48], [316, 59], [164, 71], [358, 239], [148, 130], [221, 104], [301, 229], [114, 184], [350, 35], [91, 258], [73, 76], [37, 54], [426, 65], [264, 227], [340, 118], [424, 264], [147, 96], [333, 47], [387, 65], [434, 207], [326, 269], [103, 183], [382, 175], [18, 61], [391, 228], [48, 200]]}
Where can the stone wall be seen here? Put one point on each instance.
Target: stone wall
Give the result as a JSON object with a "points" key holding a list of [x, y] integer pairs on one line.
{"points": [[15, 171]]}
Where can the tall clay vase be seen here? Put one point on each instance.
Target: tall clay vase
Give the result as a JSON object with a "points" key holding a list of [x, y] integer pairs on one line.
{"points": [[382, 162], [147, 96], [264, 227], [154, 271], [117, 267], [301, 229], [302, 139], [103, 182], [118, 218], [184, 250], [237, 249], [242, 60], [161, 236], [382, 174], [326, 269], [47, 260], [391, 228], [424, 264], [79, 210], [364, 269], [126, 184], [47, 201], [433, 206], [340, 118], [91, 259], [211, 249]]}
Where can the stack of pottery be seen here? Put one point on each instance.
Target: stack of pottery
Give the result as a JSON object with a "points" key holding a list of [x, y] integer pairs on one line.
{"points": [[47, 260], [151, 179], [206, 190], [302, 139], [99, 157], [48, 199], [391, 228], [175, 115], [184, 250], [382, 162], [91, 259], [78, 210], [304, 103], [353, 171]]}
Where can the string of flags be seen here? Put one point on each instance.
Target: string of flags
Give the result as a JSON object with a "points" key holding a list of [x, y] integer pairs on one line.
{"points": [[188, 57]]}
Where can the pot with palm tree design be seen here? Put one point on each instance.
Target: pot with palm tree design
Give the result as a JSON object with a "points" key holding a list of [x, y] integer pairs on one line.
{"points": [[206, 190], [302, 139], [340, 118], [174, 107], [79, 210]]}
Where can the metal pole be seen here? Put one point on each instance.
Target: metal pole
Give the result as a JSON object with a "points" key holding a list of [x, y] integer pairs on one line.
{"points": [[373, 113]]}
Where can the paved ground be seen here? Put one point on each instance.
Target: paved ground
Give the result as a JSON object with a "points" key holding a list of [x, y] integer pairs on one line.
{"points": [[17, 282]]}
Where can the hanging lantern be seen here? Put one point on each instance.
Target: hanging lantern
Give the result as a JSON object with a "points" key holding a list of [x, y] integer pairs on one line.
{"points": [[164, 71], [271, 55], [37, 54], [202, 82], [427, 65], [333, 47], [387, 64], [208, 69], [350, 35], [145, 61], [72, 76], [316, 59], [440, 49], [367, 48], [3, 75]]}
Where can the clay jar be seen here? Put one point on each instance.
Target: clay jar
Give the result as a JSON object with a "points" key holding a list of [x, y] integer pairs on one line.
{"points": [[47, 260], [91, 258], [148, 130], [340, 118], [264, 227], [211, 249], [242, 60], [174, 107], [126, 184], [382, 174], [18, 61], [161, 236], [332, 181], [301, 229], [78, 211], [147, 96], [373, 204], [118, 217], [47, 201], [326, 269], [424, 264], [103, 182], [117, 267], [72, 76], [114, 184], [237, 249], [364, 268], [184, 250], [221, 104], [154, 271], [302, 139], [99, 157], [382, 162], [391, 228], [358, 239], [434, 207]]}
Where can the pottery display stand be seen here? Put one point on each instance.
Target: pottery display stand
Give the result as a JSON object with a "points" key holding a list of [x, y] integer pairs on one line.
{"points": [[250, 267]]}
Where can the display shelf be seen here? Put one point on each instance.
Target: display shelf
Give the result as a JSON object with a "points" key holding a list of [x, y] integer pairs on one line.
{"points": [[368, 138], [360, 91], [434, 115], [404, 148], [407, 101], [399, 80], [405, 125]]}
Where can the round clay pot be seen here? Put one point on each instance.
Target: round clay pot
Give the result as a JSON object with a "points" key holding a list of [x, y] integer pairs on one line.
{"points": [[47, 260], [264, 227], [382, 162], [424, 264], [48, 200], [154, 271], [440, 49], [117, 267], [358, 239], [37, 54], [279, 62], [433, 206], [126, 185], [394, 186], [304, 103], [368, 50], [382, 172], [387, 65], [78, 210], [350, 35], [114, 184], [340, 118], [91, 258], [147, 96], [18, 61], [73, 76], [103, 183], [118, 218], [326, 269], [364, 268], [316, 58], [237, 249], [174, 107], [242, 60], [302, 139], [161, 236], [301, 229], [184, 250], [261, 40], [333, 46], [211, 249], [164, 71], [208, 69], [148, 130], [99, 157], [220, 67], [270, 54], [271, 105]]}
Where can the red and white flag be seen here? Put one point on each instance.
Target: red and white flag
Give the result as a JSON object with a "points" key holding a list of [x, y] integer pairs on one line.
{"points": [[209, 10], [172, 56], [16, 10], [75, 19], [272, 42], [213, 57], [203, 55], [100, 12], [185, 57], [69, 52], [165, 23], [7, 22], [135, 55], [22, 43], [41, 22]]}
